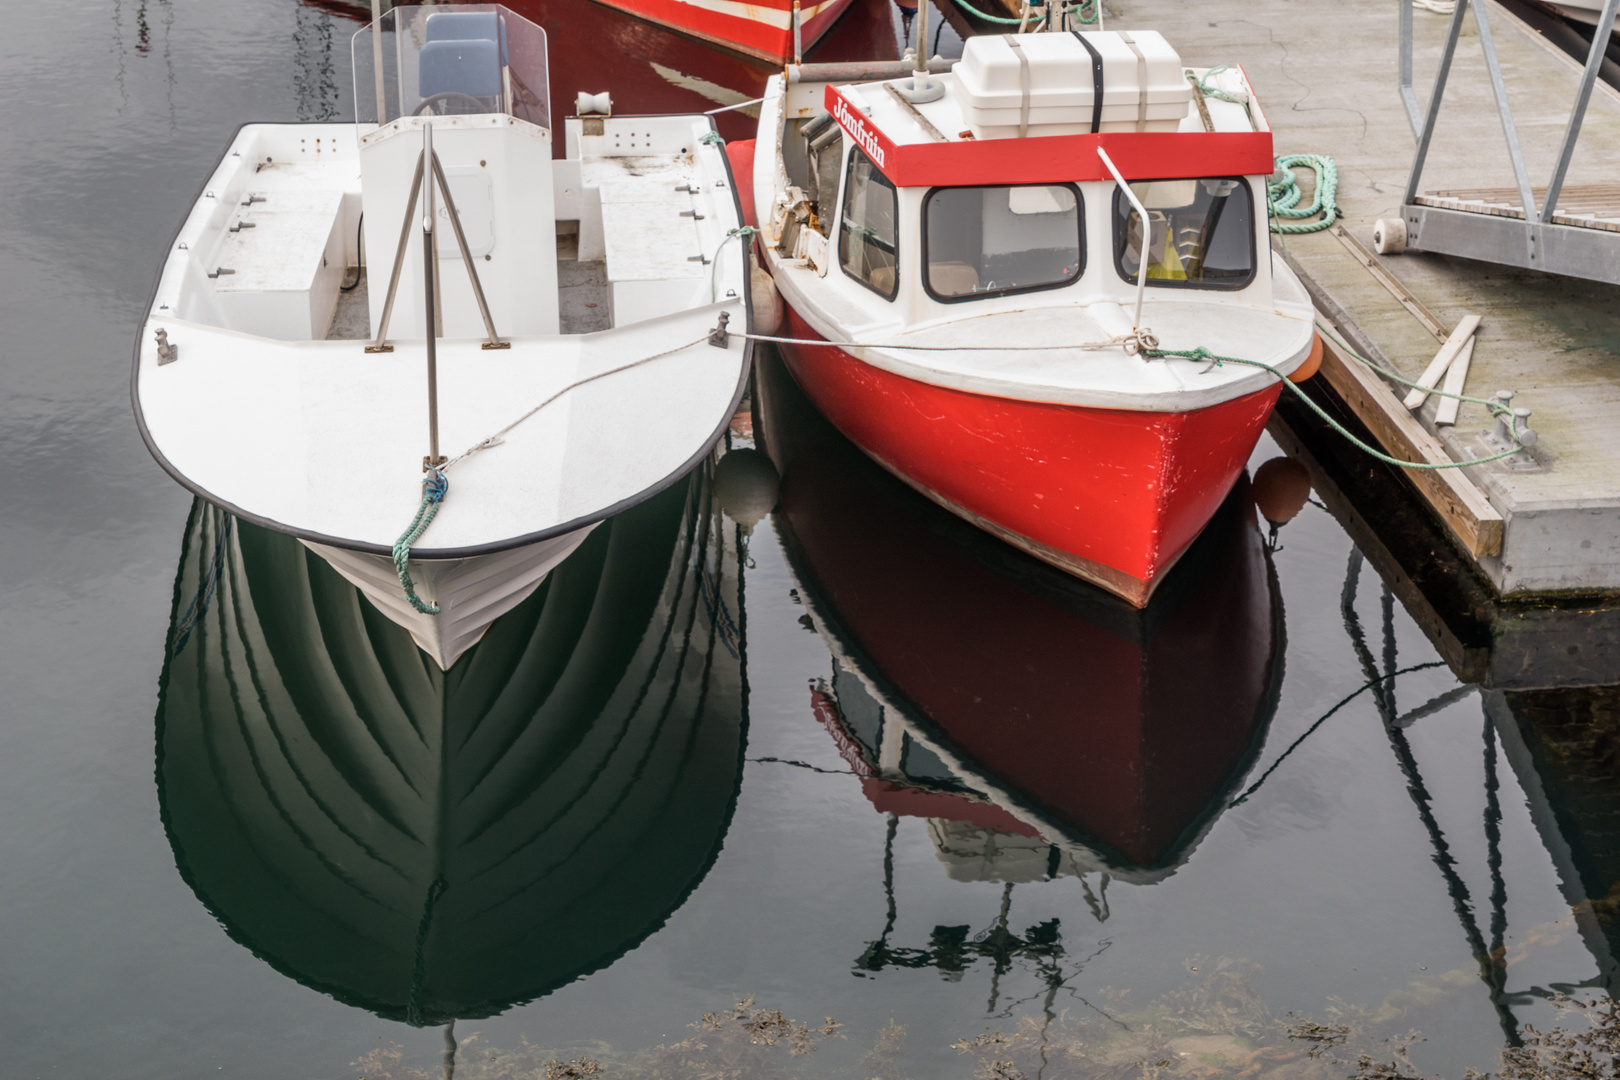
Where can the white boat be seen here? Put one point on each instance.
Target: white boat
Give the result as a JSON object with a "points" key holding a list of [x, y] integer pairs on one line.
{"points": [[579, 360]]}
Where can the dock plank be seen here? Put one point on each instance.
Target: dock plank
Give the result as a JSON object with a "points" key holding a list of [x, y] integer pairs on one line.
{"points": [[1461, 505]]}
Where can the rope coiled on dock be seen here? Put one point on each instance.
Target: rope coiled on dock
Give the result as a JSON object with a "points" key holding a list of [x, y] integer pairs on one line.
{"points": [[434, 489], [1283, 196]]}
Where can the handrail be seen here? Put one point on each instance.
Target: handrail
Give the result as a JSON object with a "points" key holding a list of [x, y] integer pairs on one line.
{"points": [[1423, 125], [1147, 234], [380, 345]]}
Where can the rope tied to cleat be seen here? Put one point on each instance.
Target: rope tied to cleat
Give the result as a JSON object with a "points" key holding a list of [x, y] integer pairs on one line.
{"points": [[434, 489], [1216, 360], [1144, 344]]}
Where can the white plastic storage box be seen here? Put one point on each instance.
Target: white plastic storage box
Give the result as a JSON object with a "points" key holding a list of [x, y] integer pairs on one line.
{"points": [[1145, 87]]}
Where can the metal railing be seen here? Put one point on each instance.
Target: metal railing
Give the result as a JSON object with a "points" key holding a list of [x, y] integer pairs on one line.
{"points": [[1534, 243]]}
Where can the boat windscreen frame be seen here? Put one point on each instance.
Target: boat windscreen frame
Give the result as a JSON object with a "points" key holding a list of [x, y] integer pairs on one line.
{"points": [[1080, 270], [1116, 238], [856, 154]]}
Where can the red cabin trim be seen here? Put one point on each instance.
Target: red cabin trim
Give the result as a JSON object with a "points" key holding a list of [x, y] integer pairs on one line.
{"points": [[1054, 158]]}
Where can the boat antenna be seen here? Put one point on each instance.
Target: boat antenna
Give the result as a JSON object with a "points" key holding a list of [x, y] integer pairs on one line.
{"points": [[1141, 263], [921, 89]]}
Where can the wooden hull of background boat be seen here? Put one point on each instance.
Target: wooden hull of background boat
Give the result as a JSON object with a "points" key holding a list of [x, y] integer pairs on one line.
{"points": [[1109, 495], [435, 845], [1070, 714]]}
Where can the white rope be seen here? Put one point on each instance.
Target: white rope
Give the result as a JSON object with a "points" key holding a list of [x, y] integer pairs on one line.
{"points": [[1439, 7], [497, 438], [1131, 343], [758, 100]]}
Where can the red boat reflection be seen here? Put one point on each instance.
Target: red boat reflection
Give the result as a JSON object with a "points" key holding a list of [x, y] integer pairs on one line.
{"points": [[1042, 726], [650, 68]]}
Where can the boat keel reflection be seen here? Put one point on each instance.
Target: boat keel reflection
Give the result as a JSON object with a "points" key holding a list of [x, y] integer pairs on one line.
{"points": [[432, 845]]}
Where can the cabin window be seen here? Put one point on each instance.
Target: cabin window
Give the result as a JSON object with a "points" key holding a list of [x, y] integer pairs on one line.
{"points": [[868, 238], [1200, 232], [989, 241]]}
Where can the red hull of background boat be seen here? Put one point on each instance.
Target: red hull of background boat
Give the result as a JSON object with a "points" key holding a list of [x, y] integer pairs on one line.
{"points": [[758, 29], [1110, 495]]}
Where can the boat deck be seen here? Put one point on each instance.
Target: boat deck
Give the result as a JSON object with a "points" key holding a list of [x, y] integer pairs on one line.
{"points": [[1329, 86], [582, 288]]}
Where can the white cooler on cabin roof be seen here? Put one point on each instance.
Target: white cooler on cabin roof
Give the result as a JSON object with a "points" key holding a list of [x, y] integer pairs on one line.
{"points": [[1047, 81]]}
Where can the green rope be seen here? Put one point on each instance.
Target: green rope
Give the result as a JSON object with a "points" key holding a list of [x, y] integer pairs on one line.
{"points": [[713, 138], [1090, 6], [434, 489], [1496, 407], [1216, 92], [1284, 195], [746, 232], [1000, 20]]}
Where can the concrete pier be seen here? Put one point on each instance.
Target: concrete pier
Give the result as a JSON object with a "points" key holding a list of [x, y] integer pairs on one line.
{"points": [[1327, 79]]}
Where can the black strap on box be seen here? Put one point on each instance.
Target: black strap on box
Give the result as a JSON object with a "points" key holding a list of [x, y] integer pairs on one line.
{"points": [[1096, 81]]}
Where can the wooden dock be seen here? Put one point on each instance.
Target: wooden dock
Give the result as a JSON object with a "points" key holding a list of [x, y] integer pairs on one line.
{"points": [[1539, 533]]}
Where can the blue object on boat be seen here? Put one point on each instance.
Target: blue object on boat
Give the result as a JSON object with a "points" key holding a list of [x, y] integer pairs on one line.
{"points": [[467, 26], [461, 67]]}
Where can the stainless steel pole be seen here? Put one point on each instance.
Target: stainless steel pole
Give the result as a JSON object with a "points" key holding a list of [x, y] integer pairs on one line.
{"points": [[376, 60], [429, 289]]}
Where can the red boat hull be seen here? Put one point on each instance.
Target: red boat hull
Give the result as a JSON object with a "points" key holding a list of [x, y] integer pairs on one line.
{"points": [[765, 33], [1124, 729], [1110, 495]]}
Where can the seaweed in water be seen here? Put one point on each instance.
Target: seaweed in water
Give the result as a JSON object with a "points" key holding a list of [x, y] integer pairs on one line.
{"points": [[1216, 1028], [741, 1043]]}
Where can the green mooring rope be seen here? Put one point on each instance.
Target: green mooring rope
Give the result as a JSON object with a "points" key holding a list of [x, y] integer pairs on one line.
{"points": [[1496, 407], [1284, 195], [1216, 92], [1000, 20], [434, 489]]}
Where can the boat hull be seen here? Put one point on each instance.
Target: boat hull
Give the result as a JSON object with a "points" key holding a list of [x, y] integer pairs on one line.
{"points": [[761, 30], [1112, 496], [471, 593]]}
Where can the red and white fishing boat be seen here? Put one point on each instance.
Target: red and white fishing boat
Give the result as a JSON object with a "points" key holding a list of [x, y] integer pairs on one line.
{"points": [[969, 245]]}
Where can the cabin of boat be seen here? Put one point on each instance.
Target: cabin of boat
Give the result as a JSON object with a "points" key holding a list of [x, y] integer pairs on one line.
{"points": [[974, 242], [302, 349]]}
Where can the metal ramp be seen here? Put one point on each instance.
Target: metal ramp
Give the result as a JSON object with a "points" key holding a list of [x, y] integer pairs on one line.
{"points": [[1573, 230]]}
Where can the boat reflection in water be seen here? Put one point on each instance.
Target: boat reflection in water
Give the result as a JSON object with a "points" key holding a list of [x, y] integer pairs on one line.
{"points": [[1042, 727], [434, 844]]}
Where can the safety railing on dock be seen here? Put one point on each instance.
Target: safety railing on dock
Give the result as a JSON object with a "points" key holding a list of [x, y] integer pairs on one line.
{"points": [[1572, 230]]}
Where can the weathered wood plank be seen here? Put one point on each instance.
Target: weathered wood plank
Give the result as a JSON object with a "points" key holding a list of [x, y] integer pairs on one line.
{"points": [[1461, 505]]}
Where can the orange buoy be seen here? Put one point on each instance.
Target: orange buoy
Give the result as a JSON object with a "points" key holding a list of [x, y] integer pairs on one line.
{"points": [[1280, 488], [1311, 364]]}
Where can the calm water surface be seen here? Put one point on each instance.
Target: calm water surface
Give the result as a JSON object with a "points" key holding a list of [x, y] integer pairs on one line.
{"points": [[855, 764]]}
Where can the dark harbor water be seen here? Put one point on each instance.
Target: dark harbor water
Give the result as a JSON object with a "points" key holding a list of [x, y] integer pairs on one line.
{"points": [[856, 762]]}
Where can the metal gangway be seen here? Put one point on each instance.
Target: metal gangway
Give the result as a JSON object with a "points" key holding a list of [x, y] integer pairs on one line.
{"points": [[1560, 229]]}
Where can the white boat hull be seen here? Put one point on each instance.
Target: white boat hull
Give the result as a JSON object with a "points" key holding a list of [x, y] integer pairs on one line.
{"points": [[471, 593]]}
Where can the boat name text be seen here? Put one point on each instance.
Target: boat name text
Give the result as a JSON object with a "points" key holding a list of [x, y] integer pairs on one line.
{"points": [[864, 136]]}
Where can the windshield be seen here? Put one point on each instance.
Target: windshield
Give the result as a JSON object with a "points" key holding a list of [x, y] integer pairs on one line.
{"points": [[989, 241], [472, 58], [1200, 232], [868, 241]]}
